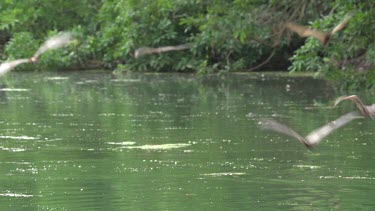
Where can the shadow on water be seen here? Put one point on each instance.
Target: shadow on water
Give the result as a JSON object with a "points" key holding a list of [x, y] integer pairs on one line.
{"points": [[93, 140]]}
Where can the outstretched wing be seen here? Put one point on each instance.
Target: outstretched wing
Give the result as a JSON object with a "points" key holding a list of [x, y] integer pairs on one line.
{"points": [[270, 124], [364, 109], [54, 42], [314, 137], [8, 66], [317, 135], [146, 50], [303, 31], [174, 48], [341, 25]]}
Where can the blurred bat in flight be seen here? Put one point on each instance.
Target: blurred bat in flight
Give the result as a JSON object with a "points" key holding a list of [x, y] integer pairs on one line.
{"points": [[367, 111], [54, 42], [323, 37], [313, 138], [146, 50]]}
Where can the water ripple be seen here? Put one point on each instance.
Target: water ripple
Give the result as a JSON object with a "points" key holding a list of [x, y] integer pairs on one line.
{"points": [[350, 178], [125, 143], [16, 195], [19, 137], [12, 149], [158, 146], [220, 174], [14, 90]]}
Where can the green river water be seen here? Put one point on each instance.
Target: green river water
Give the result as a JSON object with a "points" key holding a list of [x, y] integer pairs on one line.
{"points": [[98, 141]]}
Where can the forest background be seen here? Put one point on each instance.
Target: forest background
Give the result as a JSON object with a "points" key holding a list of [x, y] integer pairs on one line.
{"points": [[225, 36]]}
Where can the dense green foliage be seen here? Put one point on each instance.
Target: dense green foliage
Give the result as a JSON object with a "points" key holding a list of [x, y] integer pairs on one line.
{"points": [[226, 35], [349, 57]]}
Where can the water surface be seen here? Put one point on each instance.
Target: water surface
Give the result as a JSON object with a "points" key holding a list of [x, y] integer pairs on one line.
{"points": [[98, 141]]}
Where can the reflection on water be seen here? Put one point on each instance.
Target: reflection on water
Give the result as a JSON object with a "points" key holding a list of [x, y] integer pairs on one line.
{"points": [[97, 141]]}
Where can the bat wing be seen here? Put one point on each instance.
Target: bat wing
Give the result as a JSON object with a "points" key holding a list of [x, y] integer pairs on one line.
{"points": [[146, 50], [317, 135], [314, 137], [270, 124], [174, 48], [8, 66], [341, 25], [303, 31], [54, 42], [364, 109]]}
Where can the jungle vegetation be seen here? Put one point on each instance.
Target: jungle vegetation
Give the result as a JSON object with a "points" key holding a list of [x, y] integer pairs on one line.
{"points": [[225, 35]]}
